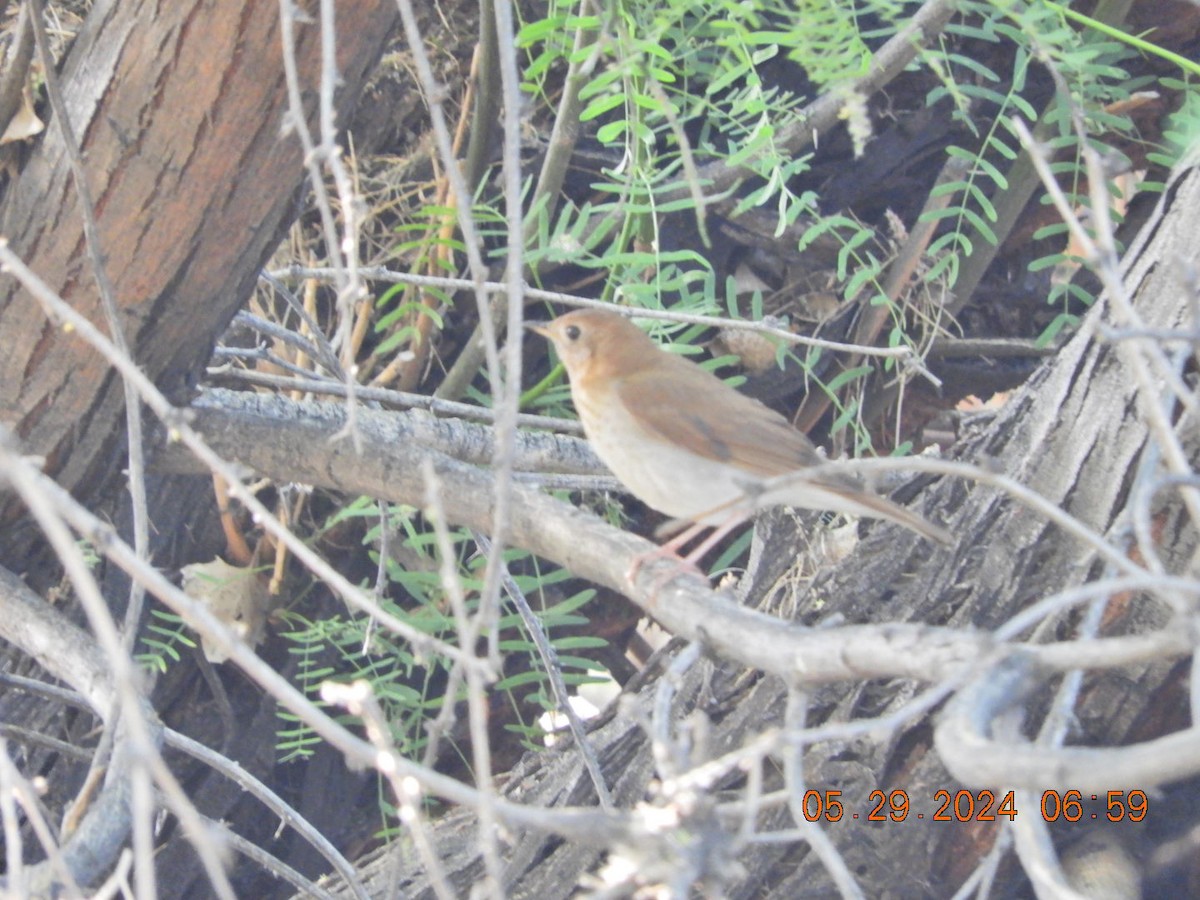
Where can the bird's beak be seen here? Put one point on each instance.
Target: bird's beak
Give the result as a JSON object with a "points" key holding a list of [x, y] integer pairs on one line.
{"points": [[542, 328]]}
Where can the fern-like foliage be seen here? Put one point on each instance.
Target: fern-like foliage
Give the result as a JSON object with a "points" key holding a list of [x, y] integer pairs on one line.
{"points": [[411, 689], [1087, 68], [162, 641], [1182, 133]]}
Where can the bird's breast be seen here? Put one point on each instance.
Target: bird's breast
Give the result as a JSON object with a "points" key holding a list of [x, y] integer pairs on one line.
{"points": [[662, 474]]}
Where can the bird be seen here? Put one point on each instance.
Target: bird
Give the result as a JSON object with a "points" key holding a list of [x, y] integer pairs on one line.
{"points": [[690, 446]]}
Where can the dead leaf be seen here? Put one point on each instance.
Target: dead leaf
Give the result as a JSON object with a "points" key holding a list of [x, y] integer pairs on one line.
{"points": [[25, 124], [234, 595]]}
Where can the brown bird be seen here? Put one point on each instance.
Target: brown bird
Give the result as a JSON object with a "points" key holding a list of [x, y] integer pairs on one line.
{"points": [[685, 443]]}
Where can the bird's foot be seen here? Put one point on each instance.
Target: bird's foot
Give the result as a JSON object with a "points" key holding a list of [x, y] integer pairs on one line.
{"points": [[682, 564]]}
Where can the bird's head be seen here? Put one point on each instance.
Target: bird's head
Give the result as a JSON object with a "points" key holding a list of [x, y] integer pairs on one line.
{"points": [[596, 343]]}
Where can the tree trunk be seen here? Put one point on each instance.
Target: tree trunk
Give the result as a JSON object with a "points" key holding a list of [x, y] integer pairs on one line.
{"points": [[179, 111]]}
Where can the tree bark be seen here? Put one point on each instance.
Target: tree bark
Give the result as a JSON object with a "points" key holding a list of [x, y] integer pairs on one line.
{"points": [[180, 112]]}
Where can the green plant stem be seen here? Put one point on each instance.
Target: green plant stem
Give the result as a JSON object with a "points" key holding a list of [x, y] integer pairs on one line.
{"points": [[551, 380], [565, 134], [1124, 37]]}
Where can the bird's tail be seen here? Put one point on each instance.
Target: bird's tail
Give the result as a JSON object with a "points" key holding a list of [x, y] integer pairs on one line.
{"points": [[849, 498]]}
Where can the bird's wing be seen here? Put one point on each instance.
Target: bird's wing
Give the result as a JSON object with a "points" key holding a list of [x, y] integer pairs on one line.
{"points": [[680, 403]]}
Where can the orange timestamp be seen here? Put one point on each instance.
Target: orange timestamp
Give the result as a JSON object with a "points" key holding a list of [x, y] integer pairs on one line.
{"points": [[979, 806]]}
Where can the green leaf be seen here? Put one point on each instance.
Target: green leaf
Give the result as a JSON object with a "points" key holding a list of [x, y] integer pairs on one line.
{"points": [[846, 376], [1061, 321], [600, 106], [610, 132]]}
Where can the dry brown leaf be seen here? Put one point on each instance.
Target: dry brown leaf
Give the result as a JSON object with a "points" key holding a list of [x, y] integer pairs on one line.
{"points": [[234, 595]]}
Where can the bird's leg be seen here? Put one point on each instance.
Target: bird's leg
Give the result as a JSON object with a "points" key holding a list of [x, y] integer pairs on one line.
{"points": [[691, 562], [715, 538], [669, 550]]}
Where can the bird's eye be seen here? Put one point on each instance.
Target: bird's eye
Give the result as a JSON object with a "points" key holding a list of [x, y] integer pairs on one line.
{"points": [[573, 332]]}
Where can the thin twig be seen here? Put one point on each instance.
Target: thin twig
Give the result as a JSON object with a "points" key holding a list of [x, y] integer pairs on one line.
{"points": [[272, 801], [381, 273], [508, 397], [793, 768], [43, 498], [310, 384], [135, 440], [553, 669], [360, 701], [469, 631]]}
